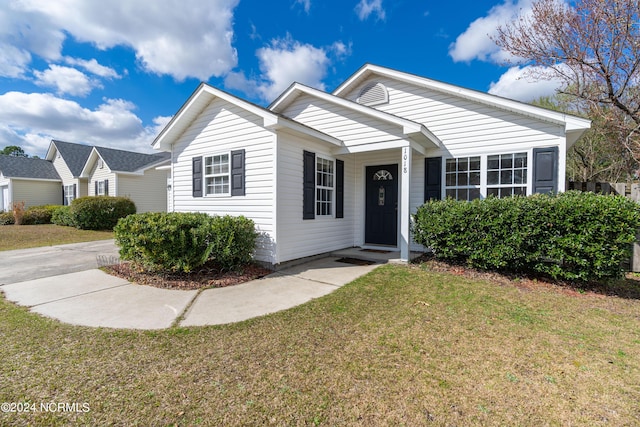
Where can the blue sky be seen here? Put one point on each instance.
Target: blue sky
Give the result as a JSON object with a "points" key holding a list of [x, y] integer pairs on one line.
{"points": [[113, 73]]}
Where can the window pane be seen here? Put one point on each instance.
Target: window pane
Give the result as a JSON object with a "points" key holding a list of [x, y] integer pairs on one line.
{"points": [[493, 162], [474, 193], [451, 165], [492, 192], [506, 161], [506, 177], [505, 192], [474, 178], [520, 160], [463, 164], [520, 191], [474, 163], [463, 194], [493, 178], [451, 193], [450, 180], [518, 176], [463, 178]]}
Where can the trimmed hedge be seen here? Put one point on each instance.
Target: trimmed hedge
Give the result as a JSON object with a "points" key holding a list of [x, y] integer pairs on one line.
{"points": [[6, 218], [100, 212], [35, 215], [62, 216], [182, 242], [570, 236]]}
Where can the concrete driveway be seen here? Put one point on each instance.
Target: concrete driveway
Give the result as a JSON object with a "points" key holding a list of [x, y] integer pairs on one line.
{"points": [[35, 263]]}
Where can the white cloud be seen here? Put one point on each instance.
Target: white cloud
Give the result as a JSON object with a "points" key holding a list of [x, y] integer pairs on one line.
{"points": [[65, 80], [181, 38], [306, 5], [518, 83], [476, 43], [366, 8], [93, 67], [36, 118], [13, 61], [283, 62]]}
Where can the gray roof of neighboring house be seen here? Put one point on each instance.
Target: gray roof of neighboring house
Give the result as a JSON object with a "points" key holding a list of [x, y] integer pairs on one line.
{"points": [[74, 155], [25, 167], [129, 161]]}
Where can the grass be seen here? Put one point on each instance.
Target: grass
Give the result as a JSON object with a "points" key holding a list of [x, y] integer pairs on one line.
{"points": [[31, 236], [401, 346]]}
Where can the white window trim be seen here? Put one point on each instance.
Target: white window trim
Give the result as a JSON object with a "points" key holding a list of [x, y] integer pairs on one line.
{"points": [[205, 192], [69, 195], [484, 170], [332, 188]]}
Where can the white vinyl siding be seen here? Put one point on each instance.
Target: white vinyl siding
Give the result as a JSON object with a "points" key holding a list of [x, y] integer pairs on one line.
{"points": [[148, 191], [298, 238], [100, 175], [67, 177], [223, 127]]}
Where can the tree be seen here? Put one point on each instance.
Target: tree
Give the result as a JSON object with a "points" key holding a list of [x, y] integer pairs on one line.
{"points": [[13, 150], [596, 156], [593, 47]]}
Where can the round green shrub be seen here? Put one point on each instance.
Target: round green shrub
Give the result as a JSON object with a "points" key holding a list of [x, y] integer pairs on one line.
{"points": [[6, 218], [100, 212], [35, 215], [182, 242]]}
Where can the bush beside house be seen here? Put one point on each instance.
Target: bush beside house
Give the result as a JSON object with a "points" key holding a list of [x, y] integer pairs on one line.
{"points": [[182, 242], [570, 236]]}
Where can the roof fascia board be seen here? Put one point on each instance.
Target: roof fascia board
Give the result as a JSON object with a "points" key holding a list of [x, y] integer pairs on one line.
{"points": [[93, 157], [19, 178], [306, 130]]}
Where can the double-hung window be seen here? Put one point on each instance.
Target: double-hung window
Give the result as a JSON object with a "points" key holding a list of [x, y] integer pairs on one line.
{"points": [[499, 175], [69, 194], [325, 177], [100, 188], [462, 178], [216, 175], [507, 175]]}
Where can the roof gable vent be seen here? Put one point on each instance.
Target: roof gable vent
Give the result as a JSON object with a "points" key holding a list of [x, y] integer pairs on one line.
{"points": [[373, 93]]}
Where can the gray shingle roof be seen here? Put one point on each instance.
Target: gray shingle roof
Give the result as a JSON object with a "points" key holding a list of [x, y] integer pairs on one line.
{"points": [[25, 167], [74, 155], [129, 161]]}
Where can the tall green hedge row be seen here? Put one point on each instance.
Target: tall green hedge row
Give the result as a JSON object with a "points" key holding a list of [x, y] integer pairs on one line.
{"points": [[182, 242], [100, 212], [570, 236]]}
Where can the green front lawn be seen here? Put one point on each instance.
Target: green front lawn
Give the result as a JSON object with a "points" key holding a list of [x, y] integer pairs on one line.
{"points": [[400, 346], [32, 236]]}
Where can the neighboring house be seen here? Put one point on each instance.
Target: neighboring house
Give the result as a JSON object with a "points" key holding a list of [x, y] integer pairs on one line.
{"points": [[321, 171], [111, 172], [32, 181], [69, 160]]}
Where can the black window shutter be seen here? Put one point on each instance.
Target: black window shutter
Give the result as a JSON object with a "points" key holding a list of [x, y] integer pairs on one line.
{"points": [[339, 189], [432, 178], [75, 191], [309, 185], [196, 176], [64, 199], [106, 187], [95, 192], [545, 170], [237, 173]]}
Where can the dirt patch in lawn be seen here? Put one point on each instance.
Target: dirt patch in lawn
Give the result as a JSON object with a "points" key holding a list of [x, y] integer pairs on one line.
{"points": [[206, 277]]}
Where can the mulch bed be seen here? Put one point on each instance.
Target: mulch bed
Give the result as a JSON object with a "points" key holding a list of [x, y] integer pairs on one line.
{"points": [[206, 277]]}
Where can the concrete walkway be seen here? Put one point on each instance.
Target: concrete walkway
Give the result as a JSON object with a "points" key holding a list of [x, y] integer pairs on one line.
{"points": [[89, 297]]}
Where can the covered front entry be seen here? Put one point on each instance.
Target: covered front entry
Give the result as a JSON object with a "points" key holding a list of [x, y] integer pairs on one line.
{"points": [[381, 214]]}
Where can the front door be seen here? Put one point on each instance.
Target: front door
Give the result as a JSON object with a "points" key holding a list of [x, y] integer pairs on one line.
{"points": [[381, 217]]}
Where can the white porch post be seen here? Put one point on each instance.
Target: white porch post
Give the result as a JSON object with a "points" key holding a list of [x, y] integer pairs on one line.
{"points": [[405, 223]]}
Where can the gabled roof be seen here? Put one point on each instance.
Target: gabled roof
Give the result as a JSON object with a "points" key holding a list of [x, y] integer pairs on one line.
{"points": [[409, 127], [574, 126], [27, 168], [124, 161], [74, 155], [204, 95]]}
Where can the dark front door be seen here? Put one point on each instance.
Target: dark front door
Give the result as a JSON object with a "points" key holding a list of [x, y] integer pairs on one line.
{"points": [[381, 221]]}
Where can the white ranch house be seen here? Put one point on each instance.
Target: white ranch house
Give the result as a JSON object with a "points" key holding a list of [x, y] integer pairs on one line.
{"points": [[319, 172]]}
